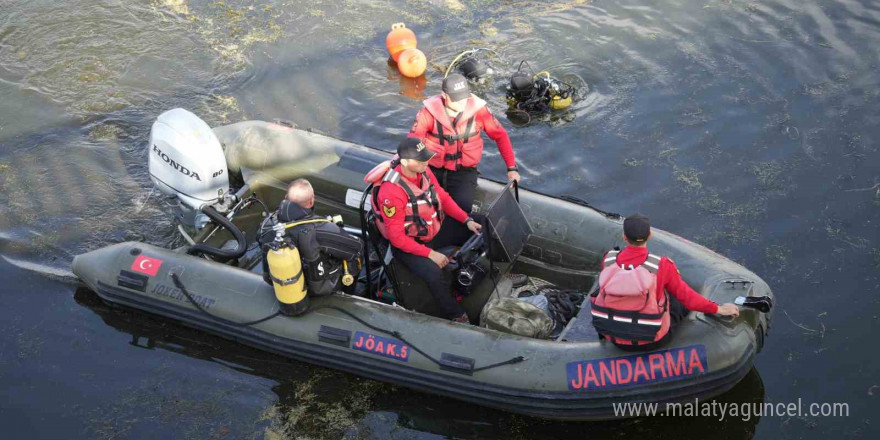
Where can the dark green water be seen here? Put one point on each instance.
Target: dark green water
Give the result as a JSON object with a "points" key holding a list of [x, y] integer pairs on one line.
{"points": [[749, 127]]}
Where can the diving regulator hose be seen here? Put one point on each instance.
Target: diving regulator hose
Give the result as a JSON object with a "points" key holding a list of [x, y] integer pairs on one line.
{"points": [[463, 54]]}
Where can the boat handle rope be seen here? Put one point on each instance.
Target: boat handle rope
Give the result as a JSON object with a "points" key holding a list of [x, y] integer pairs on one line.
{"points": [[397, 335], [176, 279]]}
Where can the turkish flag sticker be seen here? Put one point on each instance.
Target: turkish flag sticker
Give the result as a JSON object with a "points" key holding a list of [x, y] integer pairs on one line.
{"points": [[146, 265]]}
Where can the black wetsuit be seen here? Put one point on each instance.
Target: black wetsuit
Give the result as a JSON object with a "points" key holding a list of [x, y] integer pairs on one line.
{"points": [[323, 247]]}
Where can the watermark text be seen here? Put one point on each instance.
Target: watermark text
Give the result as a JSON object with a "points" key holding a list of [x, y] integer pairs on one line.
{"points": [[721, 410]]}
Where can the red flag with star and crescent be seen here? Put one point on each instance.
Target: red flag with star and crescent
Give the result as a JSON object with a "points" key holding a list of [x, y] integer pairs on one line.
{"points": [[146, 265]]}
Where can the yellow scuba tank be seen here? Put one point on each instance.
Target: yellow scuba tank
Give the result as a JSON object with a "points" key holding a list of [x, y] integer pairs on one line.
{"points": [[557, 102], [285, 268]]}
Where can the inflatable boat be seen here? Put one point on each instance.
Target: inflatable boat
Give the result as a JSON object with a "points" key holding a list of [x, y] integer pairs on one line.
{"points": [[224, 181]]}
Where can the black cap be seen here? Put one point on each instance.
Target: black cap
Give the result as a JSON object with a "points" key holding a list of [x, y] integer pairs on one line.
{"points": [[456, 86], [636, 228], [412, 148]]}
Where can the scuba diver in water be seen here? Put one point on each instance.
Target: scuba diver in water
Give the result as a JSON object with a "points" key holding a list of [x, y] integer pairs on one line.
{"points": [[632, 316], [413, 206], [538, 93], [331, 257], [451, 125]]}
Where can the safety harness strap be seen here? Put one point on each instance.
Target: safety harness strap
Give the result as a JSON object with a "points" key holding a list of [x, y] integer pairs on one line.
{"points": [[288, 281], [652, 263], [422, 227], [442, 137]]}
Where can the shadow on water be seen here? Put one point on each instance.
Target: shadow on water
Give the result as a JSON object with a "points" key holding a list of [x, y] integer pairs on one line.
{"points": [[315, 402]]}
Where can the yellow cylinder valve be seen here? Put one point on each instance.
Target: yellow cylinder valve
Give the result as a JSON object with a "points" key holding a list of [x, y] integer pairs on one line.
{"points": [[347, 278], [285, 268]]}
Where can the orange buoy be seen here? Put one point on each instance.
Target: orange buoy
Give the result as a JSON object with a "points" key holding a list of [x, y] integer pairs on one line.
{"points": [[400, 39], [412, 63]]}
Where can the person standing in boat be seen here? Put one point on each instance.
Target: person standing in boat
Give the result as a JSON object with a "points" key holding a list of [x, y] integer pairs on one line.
{"points": [[633, 307], [330, 255], [451, 125], [411, 206]]}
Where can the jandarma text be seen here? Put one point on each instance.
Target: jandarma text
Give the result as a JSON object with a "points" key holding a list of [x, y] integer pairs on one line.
{"points": [[720, 411]]}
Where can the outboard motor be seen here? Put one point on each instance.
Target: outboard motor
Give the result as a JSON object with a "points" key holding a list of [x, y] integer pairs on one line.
{"points": [[187, 162]]}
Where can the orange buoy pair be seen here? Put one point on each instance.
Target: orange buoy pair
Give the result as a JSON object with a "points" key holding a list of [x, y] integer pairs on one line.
{"points": [[401, 43]]}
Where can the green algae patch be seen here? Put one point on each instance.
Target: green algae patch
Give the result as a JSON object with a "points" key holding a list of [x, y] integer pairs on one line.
{"points": [[668, 155], [454, 5], [777, 257], [107, 131], [771, 177], [688, 178], [488, 29], [632, 162], [221, 109], [176, 6], [327, 404]]}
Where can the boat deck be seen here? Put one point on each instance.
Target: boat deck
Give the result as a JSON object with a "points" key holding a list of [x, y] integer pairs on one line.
{"points": [[580, 328]]}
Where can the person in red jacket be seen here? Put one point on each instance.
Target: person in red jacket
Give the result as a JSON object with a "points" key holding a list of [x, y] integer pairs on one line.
{"points": [[637, 232], [451, 125], [411, 209]]}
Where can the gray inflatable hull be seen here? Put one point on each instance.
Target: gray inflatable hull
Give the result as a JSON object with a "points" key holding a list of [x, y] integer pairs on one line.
{"points": [[576, 379]]}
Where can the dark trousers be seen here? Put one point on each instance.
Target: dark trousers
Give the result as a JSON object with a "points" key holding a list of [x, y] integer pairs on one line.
{"points": [[439, 285], [462, 187]]}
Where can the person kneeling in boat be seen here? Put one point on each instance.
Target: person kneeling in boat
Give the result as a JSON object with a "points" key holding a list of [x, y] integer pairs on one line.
{"points": [[633, 308], [412, 206], [330, 255]]}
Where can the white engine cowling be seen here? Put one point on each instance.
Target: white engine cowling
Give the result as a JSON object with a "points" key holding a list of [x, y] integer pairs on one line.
{"points": [[186, 159]]}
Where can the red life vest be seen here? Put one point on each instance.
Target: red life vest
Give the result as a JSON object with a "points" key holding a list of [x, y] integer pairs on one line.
{"points": [[459, 142], [626, 309], [423, 214]]}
